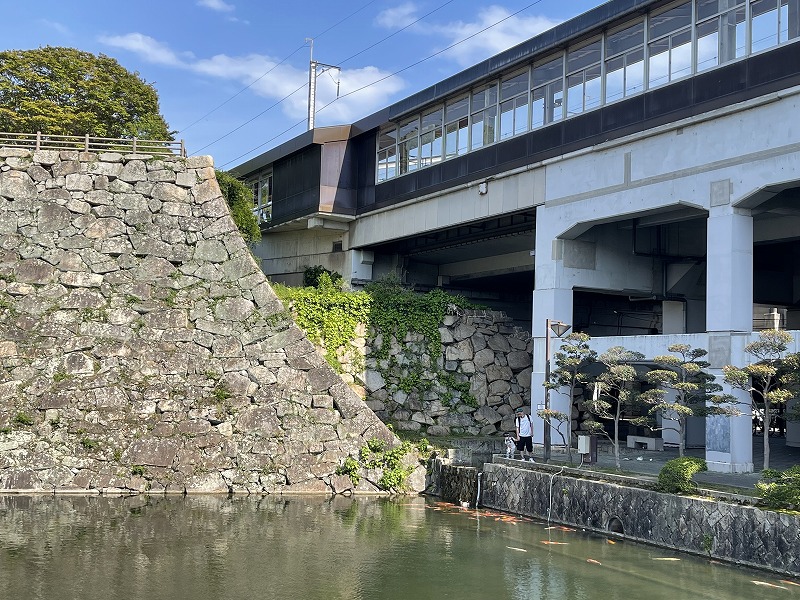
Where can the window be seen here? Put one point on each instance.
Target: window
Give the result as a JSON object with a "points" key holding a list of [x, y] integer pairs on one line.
{"points": [[548, 92], [583, 78], [430, 138], [262, 196], [625, 62], [514, 105], [773, 22], [721, 31], [387, 154], [456, 117], [670, 48], [408, 146], [484, 117]]}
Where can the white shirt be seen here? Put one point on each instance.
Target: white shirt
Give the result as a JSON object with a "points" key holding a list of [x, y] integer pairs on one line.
{"points": [[524, 426]]}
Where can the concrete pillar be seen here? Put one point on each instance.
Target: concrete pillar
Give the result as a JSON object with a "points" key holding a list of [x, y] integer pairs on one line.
{"points": [[729, 285], [729, 282]]}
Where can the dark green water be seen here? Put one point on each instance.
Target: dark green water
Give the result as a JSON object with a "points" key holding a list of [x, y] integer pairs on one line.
{"points": [[208, 547]]}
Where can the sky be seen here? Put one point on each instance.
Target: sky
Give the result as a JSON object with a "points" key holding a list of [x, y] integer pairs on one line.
{"points": [[232, 75]]}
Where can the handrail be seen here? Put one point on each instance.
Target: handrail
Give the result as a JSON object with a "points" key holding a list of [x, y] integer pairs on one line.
{"points": [[39, 141]]}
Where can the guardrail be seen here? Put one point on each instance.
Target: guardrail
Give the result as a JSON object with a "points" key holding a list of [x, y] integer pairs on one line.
{"points": [[87, 143]]}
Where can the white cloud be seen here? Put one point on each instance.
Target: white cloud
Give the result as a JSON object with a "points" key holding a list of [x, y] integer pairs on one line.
{"points": [[398, 16], [146, 47], [59, 27], [218, 5], [510, 32], [274, 81]]}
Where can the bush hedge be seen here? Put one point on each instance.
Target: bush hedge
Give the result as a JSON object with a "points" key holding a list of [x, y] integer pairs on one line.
{"points": [[676, 475], [780, 489]]}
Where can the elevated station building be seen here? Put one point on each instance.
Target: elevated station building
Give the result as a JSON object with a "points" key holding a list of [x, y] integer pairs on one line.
{"points": [[633, 172]]}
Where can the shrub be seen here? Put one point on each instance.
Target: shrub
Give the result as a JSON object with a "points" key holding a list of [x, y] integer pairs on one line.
{"points": [[780, 489], [311, 276], [676, 475]]}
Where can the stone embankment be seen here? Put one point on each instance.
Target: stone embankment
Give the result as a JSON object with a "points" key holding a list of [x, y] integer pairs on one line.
{"points": [[472, 388], [142, 348], [718, 529]]}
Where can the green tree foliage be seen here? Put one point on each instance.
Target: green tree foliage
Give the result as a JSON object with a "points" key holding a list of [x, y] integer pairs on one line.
{"points": [[772, 380], [571, 360], [614, 392], [780, 489], [694, 393], [64, 91], [240, 201], [311, 276], [676, 475]]}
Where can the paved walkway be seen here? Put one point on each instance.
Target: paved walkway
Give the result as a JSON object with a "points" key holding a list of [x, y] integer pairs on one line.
{"points": [[649, 462]]}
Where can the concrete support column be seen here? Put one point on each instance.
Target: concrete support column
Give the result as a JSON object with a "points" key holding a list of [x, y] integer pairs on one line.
{"points": [[729, 281], [729, 440]]}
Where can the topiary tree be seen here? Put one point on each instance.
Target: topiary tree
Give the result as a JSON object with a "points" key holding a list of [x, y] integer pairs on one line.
{"points": [[240, 201], [64, 91], [614, 394], [695, 393], [774, 377], [676, 475], [571, 360]]}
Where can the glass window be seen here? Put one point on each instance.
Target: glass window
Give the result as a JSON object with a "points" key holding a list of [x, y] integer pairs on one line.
{"points": [[671, 49], [431, 138], [774, 22], [484, 117], [262, 196], [387, 154], [514, 105], [548, 92], [408, 147], [456, 127], [625, 62], [583, 84], [721, 39]]}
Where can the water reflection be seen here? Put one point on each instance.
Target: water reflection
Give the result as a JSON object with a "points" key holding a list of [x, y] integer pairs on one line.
{"points": [[210, 547]]}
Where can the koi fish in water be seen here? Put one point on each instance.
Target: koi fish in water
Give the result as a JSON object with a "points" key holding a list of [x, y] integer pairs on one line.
{"points": [[767, 584], [554, 543], [593, 561], [516, 549]]}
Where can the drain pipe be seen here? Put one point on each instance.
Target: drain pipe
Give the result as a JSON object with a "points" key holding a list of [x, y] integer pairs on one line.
{"points": [[478, 495]]}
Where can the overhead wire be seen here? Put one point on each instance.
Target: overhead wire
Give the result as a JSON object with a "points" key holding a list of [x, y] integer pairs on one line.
{"points": [[350, 93], [275, 66]]}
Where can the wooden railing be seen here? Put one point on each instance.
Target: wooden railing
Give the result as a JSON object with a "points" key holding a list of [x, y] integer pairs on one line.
{"points": [[87, 143]]}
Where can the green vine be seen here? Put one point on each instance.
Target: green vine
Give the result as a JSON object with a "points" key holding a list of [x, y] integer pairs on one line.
{"points": [[329, 315], [375, 456]]}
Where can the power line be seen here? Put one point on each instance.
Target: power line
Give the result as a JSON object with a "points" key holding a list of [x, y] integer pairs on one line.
{"points": [[275, 66], [350, 93]]}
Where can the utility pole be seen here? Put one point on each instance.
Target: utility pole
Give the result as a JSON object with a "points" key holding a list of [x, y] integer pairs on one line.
{"points": [[312, 82]]}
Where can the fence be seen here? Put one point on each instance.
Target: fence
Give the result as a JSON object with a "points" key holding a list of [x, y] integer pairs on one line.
{"points": [[39, 141]]}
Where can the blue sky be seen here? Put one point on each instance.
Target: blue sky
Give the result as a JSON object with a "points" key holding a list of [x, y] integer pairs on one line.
{"points": [[232, 74]]}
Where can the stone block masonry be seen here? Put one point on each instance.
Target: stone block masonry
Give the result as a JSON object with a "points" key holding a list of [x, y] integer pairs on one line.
{"points": [[718, 529], [143, 349]]}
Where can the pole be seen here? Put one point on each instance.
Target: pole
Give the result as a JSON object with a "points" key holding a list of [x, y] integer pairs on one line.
{"points": [[312, 84], [546, 420]]}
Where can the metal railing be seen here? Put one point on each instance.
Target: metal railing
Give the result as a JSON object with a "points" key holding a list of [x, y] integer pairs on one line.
{"points": [[39, 141]]}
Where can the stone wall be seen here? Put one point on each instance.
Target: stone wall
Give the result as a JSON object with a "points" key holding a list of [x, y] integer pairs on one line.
{"points": [[141, 346], [732, 532], [481, 349]]}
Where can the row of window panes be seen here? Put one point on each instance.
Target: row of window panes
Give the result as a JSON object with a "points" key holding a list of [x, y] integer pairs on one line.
{"points": [[262, 196], [665, 46]]}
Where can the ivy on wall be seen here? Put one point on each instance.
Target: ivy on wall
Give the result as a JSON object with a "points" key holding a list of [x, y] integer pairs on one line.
{"points": [[331, 316]]}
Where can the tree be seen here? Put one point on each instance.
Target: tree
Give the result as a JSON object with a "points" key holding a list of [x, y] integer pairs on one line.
{"points": [[773, 378], [64, 91], [570, 360], [614, 393], [240, 200], [696, 394]]}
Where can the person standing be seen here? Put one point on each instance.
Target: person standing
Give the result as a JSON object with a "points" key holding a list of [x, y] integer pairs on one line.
{"points": [[524, 436]]}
